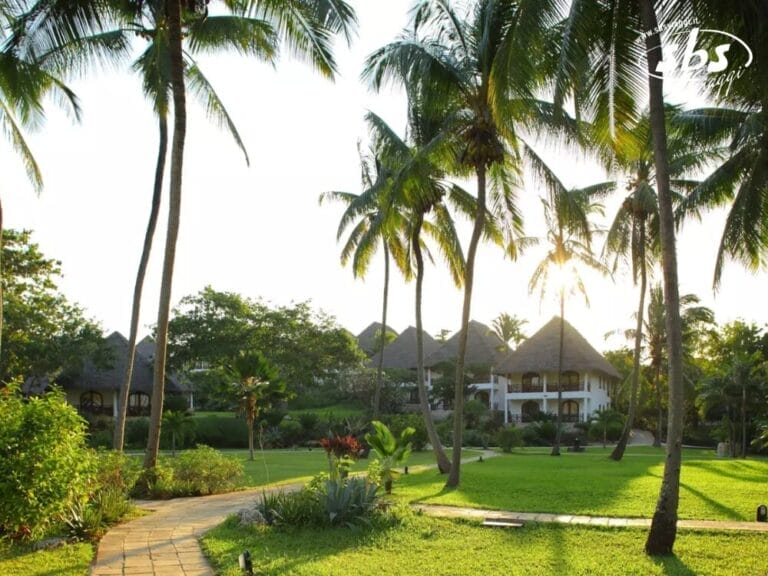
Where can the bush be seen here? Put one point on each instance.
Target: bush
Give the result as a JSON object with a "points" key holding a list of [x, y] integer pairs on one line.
{"points": [[309, 424], [474, 411], [613, 431], [348, 502], [204, 471], [46, 466], [509, 438], [291, 432], [175, 403], [400, 422], [475, 439], [300, 508], [221, 431], [136, 433]]}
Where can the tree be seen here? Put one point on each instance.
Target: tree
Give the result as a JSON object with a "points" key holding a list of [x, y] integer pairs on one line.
{"points": [[307, 28], [45, 334], [176, 424], [478, 70], [509, 327], [605, 418], [147, 20], [377, 222], [569, 234], [24, 84], [257, 386]]}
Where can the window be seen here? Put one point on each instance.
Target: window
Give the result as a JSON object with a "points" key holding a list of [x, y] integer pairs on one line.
{"points": [[570, 411], [532, 382], [138, 404], [91, 402], [570, 380], [529, 410]]}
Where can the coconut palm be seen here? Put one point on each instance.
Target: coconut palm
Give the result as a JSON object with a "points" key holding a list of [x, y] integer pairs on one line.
{"points": [[569, 235], [250, 36], [509, 327], [374, 222], [308, 28], [608, 53], [480, 67], [256, 386]]}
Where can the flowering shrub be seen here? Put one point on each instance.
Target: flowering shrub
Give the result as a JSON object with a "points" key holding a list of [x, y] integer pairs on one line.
{"points": [[342, 451]]}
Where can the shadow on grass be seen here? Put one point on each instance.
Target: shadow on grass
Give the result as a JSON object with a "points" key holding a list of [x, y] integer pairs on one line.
{"points": [[724, 510], [742, 470], [673, 566]]}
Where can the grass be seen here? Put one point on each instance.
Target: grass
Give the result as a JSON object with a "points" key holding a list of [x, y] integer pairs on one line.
{"points": [[589, 483], [423, 545], [68, 560], [283, 466], [337, 411]]}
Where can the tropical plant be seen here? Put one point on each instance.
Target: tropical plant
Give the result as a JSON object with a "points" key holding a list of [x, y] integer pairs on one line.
{"points": [[569, 235], [349, 501], [377, 222], [176, 423], [257, 386], [509, 327], [341, 451], [605, 418], [392, 451], [477, 71]]}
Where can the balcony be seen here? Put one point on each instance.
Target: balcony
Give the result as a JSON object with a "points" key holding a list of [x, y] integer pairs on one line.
{"points": [[526, 418], [518, 388]]}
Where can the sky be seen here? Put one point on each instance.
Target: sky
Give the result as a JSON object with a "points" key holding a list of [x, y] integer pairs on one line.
{"points": [[258, 230]]}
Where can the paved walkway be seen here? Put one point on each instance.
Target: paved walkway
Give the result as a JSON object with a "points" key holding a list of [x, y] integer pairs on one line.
{"points": [[504, 516]]}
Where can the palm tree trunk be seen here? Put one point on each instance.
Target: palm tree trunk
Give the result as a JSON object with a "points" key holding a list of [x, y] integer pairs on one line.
{"points": [[559, 422], [661, 538], [443, 464], [469, 276], [154, 212], [250, 439], [176, 65], [743, 418], [380, 372], [618, 451], [659, 412]]}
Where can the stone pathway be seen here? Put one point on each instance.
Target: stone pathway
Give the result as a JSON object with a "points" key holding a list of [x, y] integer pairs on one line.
{"points": [[504, 516]]}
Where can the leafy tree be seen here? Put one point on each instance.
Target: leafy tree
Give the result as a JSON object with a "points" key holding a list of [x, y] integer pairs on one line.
{"points": [[509, 327], [257, 386], [392, 451], [45, 334], [375, 223], [176, 423], [477, 69]]}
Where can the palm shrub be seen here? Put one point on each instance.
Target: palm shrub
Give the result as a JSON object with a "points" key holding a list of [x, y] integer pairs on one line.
{"points": [[509, 438], [391, 451]]}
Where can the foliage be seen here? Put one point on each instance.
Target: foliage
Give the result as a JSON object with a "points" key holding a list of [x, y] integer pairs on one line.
{"points": [[391, 450], [291, 509], [606, 424], [400, 422], [46, 465], [43, 333], [509, 438], [177, 425], [306, 346], [349, 501], [195, 472], [341, 451], [509, 327], [474, 411]]}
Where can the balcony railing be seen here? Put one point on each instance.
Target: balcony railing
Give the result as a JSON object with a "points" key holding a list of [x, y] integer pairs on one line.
{"points": [[516, 387], [525, 418]]}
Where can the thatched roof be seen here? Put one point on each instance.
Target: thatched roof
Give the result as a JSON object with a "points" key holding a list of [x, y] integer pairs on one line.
{"points": [[539, 353], [484, 347], [146, 347], [401, 352], [367, 338], [95, 378]]}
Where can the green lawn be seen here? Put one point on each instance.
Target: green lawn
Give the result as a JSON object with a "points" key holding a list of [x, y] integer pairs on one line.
{"points": [[437, 547], [69, 560], [282, 466], [589, 483]]}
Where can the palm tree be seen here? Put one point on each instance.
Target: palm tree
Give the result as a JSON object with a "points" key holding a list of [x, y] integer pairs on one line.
{"points": [[307, 28], [479, 69], [420, 187], [601, 65], [509, 327], [24, 83], [605, 418], [247, 35], [569, 234], [377, 222], [257, 385], [176, 423]]}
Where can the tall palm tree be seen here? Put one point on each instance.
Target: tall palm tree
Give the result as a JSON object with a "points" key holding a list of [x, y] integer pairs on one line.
{"points": [[420, 187], [250, 36], [569, 235], [608, 53], [480, 67], [374, 222], [308, 28]]}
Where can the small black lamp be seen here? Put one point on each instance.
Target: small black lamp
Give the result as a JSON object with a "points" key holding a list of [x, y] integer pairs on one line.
{"points": [[245, 563]]}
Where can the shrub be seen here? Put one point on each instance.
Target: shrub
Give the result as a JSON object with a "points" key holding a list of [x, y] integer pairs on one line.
{"points": [[291, 432], [475, 438], [136, 432], [204, 471], [100, 439], [493, 422], [300, 508], [46, 466], [221, 431], [509, 438], [400, 422], [309, 423], [474, 411], [348, 502]]}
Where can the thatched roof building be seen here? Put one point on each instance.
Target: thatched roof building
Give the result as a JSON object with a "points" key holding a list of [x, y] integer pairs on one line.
{"points": [[540, 353], [484, 347], [401, 354], [367, 339]]}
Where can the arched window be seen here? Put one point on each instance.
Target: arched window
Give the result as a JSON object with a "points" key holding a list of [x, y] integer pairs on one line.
{"points": [[91, 402], [138, 404], [532, 382], [570, 411], [570, 380], [529, 410]]}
